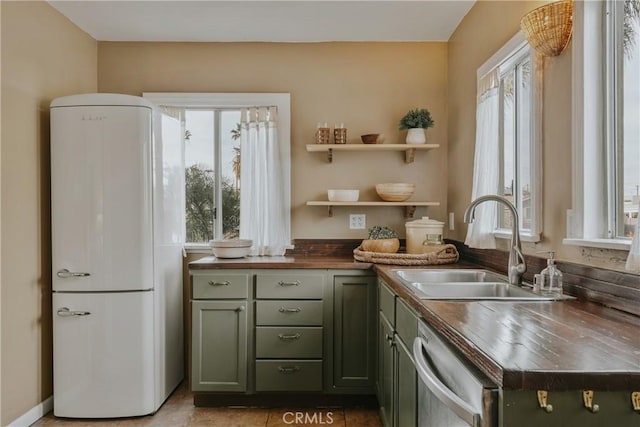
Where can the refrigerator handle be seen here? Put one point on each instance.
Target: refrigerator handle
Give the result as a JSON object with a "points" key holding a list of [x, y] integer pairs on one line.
{"points": [[65, 274], [65, 312]]}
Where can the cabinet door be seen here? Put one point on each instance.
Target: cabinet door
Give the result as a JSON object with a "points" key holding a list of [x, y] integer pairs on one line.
{"points": [[386, 362], [354, 332], [219, 347], [406, 387]]}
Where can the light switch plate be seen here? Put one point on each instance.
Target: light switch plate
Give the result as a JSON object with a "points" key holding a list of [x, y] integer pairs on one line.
{"points": [[357, 221]]}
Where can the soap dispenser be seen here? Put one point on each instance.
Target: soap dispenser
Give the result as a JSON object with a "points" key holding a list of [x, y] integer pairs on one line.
{"points": [[551, 277]]}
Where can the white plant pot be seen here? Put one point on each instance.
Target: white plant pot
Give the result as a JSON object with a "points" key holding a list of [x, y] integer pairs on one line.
{"points": [[416, 136]]}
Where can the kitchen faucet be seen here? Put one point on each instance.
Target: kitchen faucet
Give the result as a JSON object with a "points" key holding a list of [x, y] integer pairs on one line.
{"points": [[517, 266]]}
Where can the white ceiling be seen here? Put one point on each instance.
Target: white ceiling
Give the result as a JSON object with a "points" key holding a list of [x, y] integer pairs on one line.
{"points": [[266, 21]]}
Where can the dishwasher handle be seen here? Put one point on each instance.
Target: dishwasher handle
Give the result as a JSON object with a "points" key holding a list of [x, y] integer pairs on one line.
{"points": [[439, 389]]}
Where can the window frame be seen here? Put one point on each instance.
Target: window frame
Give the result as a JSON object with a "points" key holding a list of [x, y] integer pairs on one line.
{"points": [[222, 101], [591, 221], [503, 58]]}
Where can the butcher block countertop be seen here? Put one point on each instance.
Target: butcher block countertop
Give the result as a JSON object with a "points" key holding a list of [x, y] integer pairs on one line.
{"points": [[559, 345], [323, 262]]}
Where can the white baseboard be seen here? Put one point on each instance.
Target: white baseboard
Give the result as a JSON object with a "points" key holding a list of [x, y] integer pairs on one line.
{"points": [[34, 414]]}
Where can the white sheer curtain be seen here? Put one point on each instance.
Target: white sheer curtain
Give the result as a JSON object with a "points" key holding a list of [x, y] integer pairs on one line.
{"points": [[485, 168], [263, 214], [633, 260]]}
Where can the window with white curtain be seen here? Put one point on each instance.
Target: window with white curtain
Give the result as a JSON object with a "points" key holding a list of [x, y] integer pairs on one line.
{"points": [[507, 154], [225, 197], [515, 166], [606, 124]]}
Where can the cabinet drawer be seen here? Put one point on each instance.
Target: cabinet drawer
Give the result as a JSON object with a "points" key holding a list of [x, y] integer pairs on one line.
{"points": [[288, 343], [406, 322], [387, 302], [288, 375], [289, 312], [221, 286], [290, 285]]}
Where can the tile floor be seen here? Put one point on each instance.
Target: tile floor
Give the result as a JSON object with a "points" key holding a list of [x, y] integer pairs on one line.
{"points": [[178, 411]]}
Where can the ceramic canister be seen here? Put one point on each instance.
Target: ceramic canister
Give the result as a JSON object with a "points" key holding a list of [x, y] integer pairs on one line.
{"points": [[424, 235]]}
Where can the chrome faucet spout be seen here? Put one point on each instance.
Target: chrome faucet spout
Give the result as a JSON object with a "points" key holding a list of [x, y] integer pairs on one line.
{"points": [[517, 266]]}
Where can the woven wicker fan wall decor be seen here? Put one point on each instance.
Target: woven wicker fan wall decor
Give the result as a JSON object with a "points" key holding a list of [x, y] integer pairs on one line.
{"points": [[548, 28]]}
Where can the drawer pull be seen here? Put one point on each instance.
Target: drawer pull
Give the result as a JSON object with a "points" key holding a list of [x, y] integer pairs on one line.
{"points": [[635, 401], [284, 337], [225, 283], [288, 369], [294, 283], [289, 310], [587, 397]]}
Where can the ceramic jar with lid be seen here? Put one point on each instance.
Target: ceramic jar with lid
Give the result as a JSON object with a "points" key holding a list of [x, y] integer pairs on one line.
{"points": [[424, 235]]}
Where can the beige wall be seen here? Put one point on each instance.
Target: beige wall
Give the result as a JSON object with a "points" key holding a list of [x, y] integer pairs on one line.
{"points": [[486, 28], [43, 56], [368, 86]]}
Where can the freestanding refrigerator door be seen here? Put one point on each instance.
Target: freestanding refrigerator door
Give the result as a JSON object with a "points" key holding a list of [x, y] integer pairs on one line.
{"points": [[103, 354], [101, 212]]}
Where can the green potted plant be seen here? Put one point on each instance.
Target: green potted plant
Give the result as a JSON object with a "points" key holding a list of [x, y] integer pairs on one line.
{"points": [[416, 121], [381, 239]]}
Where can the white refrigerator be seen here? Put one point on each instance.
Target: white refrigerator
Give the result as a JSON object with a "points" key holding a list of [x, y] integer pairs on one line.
{"points": [[117, 183]]}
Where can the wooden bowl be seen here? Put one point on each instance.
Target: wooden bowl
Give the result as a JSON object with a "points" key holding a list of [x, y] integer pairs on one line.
{"points": [[372, 138], [395, 192], [388, 246]]}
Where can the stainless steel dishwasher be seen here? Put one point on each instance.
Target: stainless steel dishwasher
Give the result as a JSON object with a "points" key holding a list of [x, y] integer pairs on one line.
{"points": [[451, 391]]}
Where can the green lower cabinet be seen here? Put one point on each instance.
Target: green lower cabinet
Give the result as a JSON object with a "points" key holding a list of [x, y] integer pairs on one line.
{"points": [[521, 409], [219, 346], [354, 326], [289, 375], [406, 387], [397, 377], [386, 371]]}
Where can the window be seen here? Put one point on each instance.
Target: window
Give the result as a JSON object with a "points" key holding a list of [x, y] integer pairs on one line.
{"points": [[213, 161], [507, 155], [606, 104], [212, 156], [515, 139], [623, 135]]}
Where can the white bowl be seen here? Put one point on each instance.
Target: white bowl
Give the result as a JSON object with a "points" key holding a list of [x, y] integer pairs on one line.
{"points": [[231, 243], [233, 248], [395, 192], [343, 195], [231, 252]]}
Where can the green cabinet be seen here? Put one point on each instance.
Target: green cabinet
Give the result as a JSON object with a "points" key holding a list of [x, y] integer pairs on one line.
{"points": [[284, 330], [289, 330], [397, 384], [219, 345], [406, 410], [221, 330], [386, 368], [354, 327]]}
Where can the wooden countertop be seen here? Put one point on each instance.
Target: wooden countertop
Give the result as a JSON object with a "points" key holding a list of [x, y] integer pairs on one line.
{"points": [[567, 345], [323, 262], [563, 345]]}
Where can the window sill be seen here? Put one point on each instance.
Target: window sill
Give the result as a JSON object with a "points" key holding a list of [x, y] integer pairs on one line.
{"points": [[533, 238], [195, 248], [203, 248], [617, 244]]}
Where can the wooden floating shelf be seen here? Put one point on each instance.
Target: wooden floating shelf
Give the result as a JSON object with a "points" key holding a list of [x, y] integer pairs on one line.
{"points": [[410, 207], [409, 149]]}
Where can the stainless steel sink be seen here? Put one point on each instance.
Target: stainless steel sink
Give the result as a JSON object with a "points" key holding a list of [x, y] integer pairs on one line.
{"points": [[442, 276], [466, 285]]}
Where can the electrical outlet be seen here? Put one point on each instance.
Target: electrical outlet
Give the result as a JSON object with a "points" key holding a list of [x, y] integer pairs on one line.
{"points": [[452, 221], [357, 222]]}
